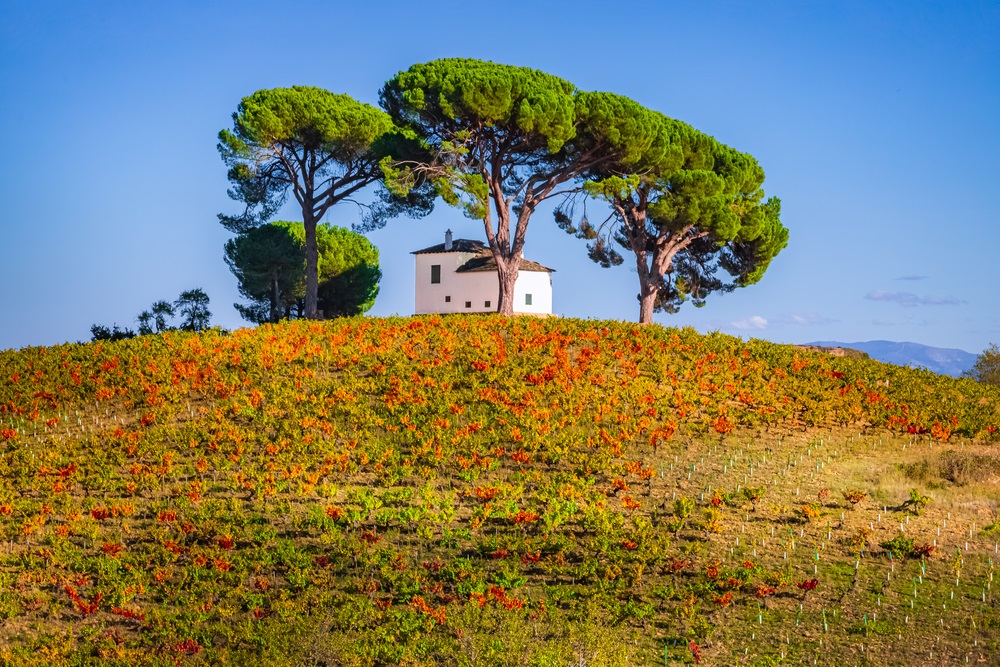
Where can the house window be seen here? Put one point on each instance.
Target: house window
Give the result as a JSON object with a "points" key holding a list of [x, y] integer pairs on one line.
{"points": [[435, 273], [468, 304], [487, 304], [447, 299], [527, 299]]}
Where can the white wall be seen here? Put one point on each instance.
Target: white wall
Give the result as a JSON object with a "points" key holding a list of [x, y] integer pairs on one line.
{"points": [[539, 285], [475, 287]]}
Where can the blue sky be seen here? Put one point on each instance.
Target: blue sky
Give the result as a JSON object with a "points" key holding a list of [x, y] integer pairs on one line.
{"points": [[875, 122]]}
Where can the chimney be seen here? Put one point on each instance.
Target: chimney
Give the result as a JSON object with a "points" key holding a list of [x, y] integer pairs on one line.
{"points": [[447, 240]]}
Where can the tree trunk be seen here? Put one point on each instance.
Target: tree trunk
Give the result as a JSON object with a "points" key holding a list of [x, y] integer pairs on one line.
{"points": [[507, 270], [312, 268], [648, 288], [275, 299], [653, 257], [647, 299]]}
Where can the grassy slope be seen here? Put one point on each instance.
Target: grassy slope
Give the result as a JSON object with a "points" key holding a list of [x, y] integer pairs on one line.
{"points": [[485, 491]]}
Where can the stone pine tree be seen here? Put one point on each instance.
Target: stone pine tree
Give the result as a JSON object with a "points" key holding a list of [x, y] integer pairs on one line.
{"points": [[349, 272], [501, 140], [320, 146], [685, 209], [269, 263]]}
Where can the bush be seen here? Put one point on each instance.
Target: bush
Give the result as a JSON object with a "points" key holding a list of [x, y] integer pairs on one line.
{"points": [[958, 467], [963, 468], [101, 332], [900, 546], [987, 366], [917, 502]]}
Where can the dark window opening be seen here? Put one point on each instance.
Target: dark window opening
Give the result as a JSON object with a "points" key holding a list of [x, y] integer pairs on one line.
{"points": [[435, 273], [487, 304], [468, 304], [447, 299]]}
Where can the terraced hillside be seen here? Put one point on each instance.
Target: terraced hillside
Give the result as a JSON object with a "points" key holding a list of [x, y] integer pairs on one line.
{"points": [[490, 491]]}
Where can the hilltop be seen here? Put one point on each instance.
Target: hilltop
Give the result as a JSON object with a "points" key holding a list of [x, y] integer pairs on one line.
{"points": [[491, 491]]}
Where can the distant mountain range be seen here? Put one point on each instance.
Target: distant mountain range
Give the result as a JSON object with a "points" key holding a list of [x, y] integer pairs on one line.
{"points": [[937, 359]]}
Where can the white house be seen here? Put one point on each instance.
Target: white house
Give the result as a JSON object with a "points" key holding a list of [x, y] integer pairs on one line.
{"points": [[460, 276]]}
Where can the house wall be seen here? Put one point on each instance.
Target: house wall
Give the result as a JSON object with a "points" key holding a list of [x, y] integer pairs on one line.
{"points": [[475, 287], [539, 285]]}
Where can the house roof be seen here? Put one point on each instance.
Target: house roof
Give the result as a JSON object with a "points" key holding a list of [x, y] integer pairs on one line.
{"points": [[458, 245], [485, 262]]}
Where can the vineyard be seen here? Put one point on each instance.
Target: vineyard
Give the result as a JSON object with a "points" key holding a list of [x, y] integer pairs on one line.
{"points": [[477, 490]]}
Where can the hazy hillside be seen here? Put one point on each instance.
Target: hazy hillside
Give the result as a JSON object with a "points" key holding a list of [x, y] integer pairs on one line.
{"points": [[477, 490], [946, 361]]}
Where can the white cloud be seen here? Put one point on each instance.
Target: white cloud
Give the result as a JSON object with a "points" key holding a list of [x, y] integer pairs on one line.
{"points": [[754, 323], [909, 299]]}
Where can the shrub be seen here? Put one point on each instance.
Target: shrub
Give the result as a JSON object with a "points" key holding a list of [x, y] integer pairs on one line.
{"points": [[917, 502], [957, 467], [854, 496], [900, 546], [963, 468]]}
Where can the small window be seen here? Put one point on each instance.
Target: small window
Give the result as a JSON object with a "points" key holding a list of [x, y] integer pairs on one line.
{"points": [[486, 305], [468, 304], [527, 299], [435, 273], [447, 299]]}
